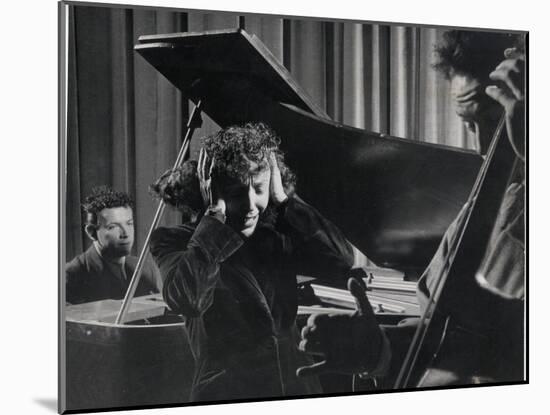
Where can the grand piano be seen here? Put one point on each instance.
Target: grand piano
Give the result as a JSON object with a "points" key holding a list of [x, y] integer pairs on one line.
{"points": [[393, 198]]}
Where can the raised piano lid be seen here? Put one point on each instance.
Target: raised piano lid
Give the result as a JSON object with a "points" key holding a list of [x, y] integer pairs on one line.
{"points": [[393, 198], [196, 60]]}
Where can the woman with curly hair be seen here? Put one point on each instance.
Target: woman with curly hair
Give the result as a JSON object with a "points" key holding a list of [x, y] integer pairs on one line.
{"points": [[231, 271]]}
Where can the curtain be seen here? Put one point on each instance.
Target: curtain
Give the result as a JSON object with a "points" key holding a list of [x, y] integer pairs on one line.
{"points": [[125, 121]]}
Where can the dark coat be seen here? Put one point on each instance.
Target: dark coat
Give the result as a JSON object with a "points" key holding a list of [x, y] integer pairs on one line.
{"points": [[240, 297], [89, 278]]}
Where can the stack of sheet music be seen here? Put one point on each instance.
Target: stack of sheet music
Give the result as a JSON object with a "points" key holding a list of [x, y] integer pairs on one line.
{"points": [[387, 290]]}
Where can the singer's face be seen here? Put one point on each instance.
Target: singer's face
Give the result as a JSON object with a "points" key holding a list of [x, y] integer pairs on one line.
{"points": [[245, 202], [115, 231]]}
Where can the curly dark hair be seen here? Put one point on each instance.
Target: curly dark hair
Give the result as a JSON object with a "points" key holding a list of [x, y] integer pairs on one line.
{"points": [[179, 188], [103, 197], [233, 149], [472, 53]]}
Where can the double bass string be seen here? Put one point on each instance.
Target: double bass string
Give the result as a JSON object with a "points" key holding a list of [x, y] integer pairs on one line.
{"points": [[194, 120], [426, 318]]}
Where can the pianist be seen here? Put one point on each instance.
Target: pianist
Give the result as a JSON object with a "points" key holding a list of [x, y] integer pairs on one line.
{"points": [[232, 271], [483, 80], [105, 269]]}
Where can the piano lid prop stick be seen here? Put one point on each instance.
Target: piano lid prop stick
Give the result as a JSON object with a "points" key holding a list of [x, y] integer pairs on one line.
{"points": [[194, 122]]}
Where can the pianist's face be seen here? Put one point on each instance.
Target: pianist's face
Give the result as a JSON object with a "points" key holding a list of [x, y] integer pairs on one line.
{"points": [[245, 202], [115, 231]]}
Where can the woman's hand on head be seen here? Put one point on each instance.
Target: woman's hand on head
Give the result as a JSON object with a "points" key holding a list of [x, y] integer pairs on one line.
{"points": [[212, 200], [276, 190]]}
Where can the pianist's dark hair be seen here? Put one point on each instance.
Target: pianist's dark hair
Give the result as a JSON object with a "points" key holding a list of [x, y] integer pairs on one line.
{"points": [[233, 148], [103, 197], [473, 53]]}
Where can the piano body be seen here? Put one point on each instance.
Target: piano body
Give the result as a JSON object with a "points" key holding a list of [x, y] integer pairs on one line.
{"points": [[112, 365], [393, 199]]}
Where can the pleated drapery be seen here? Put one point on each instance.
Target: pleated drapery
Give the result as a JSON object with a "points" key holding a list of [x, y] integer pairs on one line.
{"points": [[125, 121]]}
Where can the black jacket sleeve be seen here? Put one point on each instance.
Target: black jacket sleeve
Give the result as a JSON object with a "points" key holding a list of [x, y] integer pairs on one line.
{"points": [[190, 268], [317, 247]]}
